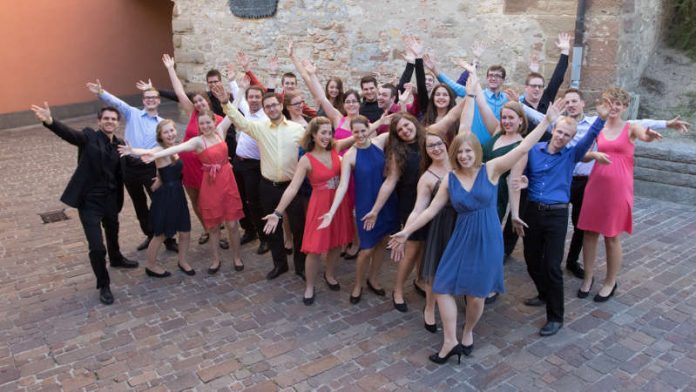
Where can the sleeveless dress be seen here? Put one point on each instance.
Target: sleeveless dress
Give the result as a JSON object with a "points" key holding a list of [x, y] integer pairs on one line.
{"points": [[440, 231], [488, 154], [169, 210], [219, 199], [324, 182], [193, 172], [406, 190], [369, 168], [608, 202], [472, 263]]}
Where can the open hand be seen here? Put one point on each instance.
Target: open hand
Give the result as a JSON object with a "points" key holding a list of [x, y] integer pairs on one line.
{"points": [[680, 125], [94, 87], [231, 71], [397, 243], [273, 65], [518, 226], [325, 220], [168, 61], [369, 220], [43, 114], [604, 108], [563, 43], [652, 135], [602, 158], [271, 223], [125, 149], [534, 64], [219, 92], [511, 95], [555, 110], [147, 157], [143, 86], [311, 68], [243, 61]]}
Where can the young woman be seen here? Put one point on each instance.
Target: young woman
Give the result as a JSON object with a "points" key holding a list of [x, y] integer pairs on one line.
{"points": [[169, 212], [293, 104], [219, 200], [334, 92], [441, 101], [472, 263], [322, 165]]}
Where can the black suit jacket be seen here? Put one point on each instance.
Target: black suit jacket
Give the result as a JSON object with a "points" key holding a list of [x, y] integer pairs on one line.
{"points": [[92, 163]]}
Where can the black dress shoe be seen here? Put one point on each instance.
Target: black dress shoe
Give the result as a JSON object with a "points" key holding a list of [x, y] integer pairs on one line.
{"points": [[491, 299], [308, 301], [190, 272], [105, 296], [332, 286], [247, 237], [599, 298], [355, 300], [456, 350], [375, 290], [170, 244], [143, 245], [263, 248], [224, 244], [576, 270], [534, 301], [419, 290], [124, 263], [402, 307], [551, 328], [154, 274], [276, 272]]}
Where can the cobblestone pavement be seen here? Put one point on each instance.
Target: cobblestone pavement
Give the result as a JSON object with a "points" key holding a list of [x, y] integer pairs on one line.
{"points": [[236, 331]]}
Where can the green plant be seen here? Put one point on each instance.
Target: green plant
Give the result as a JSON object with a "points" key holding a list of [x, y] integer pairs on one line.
{"points": [[681, 29]]}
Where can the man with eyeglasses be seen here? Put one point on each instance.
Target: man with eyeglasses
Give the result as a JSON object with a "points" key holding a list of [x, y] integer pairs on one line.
{"points": [[278, 141], [535, 95], [140, 132]]}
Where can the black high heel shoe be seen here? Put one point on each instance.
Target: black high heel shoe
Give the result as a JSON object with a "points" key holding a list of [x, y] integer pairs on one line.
{"points": [[456, 350], [418, 289], [432, 328], [584, 294], [213, 271], [466, 350], [599, 298], [355, 300], [402, 307], [375, 290]]}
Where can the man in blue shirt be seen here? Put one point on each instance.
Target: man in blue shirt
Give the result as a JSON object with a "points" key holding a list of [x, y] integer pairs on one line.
{"points": [[550, 171]]}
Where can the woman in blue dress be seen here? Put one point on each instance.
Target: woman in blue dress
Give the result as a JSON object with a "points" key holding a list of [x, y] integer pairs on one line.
{"points": [[472, 264]]}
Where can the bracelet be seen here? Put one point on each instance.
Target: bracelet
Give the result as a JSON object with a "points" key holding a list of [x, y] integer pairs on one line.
{"points": [[471, 95], [277, 214]]}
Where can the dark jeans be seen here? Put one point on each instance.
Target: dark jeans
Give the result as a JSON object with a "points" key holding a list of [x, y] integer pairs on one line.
{"points": [[137, 179], [247, 172], [270, 196], [577, 192], [543, 251], [101, 210]]}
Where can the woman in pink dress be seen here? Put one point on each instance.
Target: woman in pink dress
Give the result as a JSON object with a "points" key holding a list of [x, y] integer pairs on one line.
{"points": [[608, 201]]}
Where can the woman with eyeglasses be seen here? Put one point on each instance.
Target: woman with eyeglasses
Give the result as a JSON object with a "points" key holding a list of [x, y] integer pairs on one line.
{"points": [[293, 104]]}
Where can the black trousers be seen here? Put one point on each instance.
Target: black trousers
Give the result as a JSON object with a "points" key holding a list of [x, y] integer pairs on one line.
{"points": [[248, 175], [270, 196], [544, 241], [577, 192], [137, 179], [101, 210]]}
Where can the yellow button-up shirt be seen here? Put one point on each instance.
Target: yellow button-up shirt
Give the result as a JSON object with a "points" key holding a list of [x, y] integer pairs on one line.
{"points": [[278, 144]]}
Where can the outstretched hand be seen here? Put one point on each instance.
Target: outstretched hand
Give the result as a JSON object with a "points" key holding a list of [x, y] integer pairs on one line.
{"points": [[369, 220], [95, 87], [311, 68], [680, 125], [231, 71], [555, 110], [144, 86], [511, 95], [415, 46], [477, 49], [291, 49], [408, 91], [397, 244], [429, 63], [652, 135], [273, 65], [603, 108], [563, 43], [243, 61], [518, 226], [602, 158], [125, 149], [325, 220], [43, 114], [534, 64], [168, 61], [271, 223], [219, 92]]}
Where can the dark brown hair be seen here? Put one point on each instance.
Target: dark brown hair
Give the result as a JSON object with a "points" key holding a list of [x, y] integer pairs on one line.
{"points": [[313, 127], [426, 161], [338, 104], [396, 150]]}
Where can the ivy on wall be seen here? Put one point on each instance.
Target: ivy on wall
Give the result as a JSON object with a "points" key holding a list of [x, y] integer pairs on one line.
{"points": [[681, 29]]}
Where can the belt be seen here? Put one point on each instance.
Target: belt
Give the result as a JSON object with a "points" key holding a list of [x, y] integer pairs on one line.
{"points": [[581, 177], [276, 184], [546, 207]]}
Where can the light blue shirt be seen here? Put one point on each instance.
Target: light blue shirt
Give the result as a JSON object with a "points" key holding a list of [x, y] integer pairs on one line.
{"points": [[141, 128]]}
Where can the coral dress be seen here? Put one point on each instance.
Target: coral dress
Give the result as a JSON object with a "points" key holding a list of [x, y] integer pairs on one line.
{"points": [[219, 199], [324, 181], [193, 173], [608, 202]]}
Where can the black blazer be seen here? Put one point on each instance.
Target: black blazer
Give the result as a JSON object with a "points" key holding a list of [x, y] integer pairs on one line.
{"points": [[92, 161]]}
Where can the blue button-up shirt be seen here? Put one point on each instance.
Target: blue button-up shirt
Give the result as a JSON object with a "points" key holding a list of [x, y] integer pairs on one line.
{"points": [[495, 102], [141, 128], [550, 174]]}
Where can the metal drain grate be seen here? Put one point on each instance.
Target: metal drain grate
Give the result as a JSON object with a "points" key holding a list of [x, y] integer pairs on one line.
{"points": [[53, 216]]}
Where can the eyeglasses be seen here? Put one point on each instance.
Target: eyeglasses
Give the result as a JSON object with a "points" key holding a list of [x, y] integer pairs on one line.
{"points": [[297, 103], [271, 106], [495, 76], [435, 145], [213, 81], [539, 86], [146, 98], [351, 101]]}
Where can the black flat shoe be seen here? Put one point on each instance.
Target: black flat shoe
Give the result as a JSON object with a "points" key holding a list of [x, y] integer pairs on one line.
{"points": [[154, 274], [402, 307], [491, 299], [332, 286], [223, 243], [534, 301], [124, 263], [355, 300], [584, 294], [276, 272], [456, 350], [599, 298], [143, 245], [190, 272], [418, 289], [308, 301], [379, 292], [263, 248], [213, 271], [105, 296], [551, 328]]}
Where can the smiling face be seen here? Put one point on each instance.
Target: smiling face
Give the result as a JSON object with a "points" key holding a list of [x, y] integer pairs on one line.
{"points": [[273, 108], [576, 105], [617, 109], [295, 106], [108, 122], [206, 124], [369, 91], [385, 99], [562, 134], [534, 89], [332, 89], [361, 133], [441, 97], [495, 79], [509, 121], [406, 130], [436, 148], [151, 99], [323, 137], [200, 103], [254, 97], [351, 105], [166, 134], [289, 83], [466, 156]]}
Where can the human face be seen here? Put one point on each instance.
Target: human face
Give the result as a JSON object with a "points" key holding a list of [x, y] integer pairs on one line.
{"points": [[361, 133], [108, 122], [332, 89], [562, 135], [323, 136], [495, 80], [369, 91], [406, 130], [436, 148], [617, 109], [273, 108], [289, 84], [206, 125], [168, 134], [466, 156], [384, 98], [429, 82], [510, 121], [254, 99], [200, 103], [151, 100], [534, 89], [212, 81], [576, 106], [351, 105], [295, 106], [441, 98]]}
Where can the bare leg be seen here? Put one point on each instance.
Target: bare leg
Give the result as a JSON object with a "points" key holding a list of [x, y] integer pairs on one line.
{"points": [[429, 311], [448, 312], [233, 235], [360, 266], [331, 259], [378, 256], [414, 251], [474, 310], [193, 196], [311, 267], [214, 239], [589, 256], [152, 251], [614, 261], [184, 243]]}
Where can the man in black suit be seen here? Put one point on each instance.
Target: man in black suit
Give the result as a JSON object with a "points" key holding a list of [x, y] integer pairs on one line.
{"points": [[95, 189]]}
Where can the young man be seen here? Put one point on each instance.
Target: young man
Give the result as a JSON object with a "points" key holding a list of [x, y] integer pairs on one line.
{"points": [[139, 133], [369, 106], [535, 95], [289, 82], [95, 189]]}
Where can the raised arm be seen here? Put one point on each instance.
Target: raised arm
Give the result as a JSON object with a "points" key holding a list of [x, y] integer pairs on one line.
{"points": [[416, 48], [449, 119], [124, 108], [473, 85], [184, 100], [562, 43], [346, 168], [308, 72], [63, 131], [410, 65], [223, 127], [273, 218], [240, 122]]}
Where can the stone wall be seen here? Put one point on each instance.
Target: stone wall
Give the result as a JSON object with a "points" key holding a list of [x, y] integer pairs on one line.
{"points": [[666, 171]]}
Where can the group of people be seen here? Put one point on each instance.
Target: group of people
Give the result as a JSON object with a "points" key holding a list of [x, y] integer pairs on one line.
{"points": [[447, 175]]}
